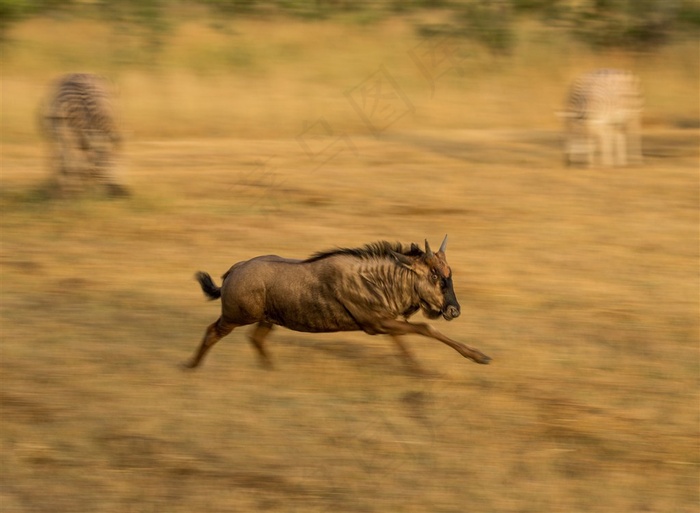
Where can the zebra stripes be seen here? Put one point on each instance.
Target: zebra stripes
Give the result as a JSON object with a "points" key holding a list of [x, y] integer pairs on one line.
{"points": [[79, 121], [603, 119]]}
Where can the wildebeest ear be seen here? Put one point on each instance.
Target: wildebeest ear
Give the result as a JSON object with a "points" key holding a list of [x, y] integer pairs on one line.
{"points": [[415, 248], [403, 260]]}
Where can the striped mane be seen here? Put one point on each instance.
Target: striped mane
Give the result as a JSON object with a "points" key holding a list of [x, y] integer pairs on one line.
{"points": [[380, 249]]}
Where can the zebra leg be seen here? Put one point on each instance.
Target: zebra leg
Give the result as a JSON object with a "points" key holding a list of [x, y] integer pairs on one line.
{"points": [[590, 150], [606, 141], [59, 156], [84, 168], [634, 136], [104, 167], [590, 142], [69, 165], [621, 147]]}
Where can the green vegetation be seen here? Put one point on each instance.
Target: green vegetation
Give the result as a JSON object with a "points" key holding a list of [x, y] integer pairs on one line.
{"points": [[602, 23], [265, 77]]}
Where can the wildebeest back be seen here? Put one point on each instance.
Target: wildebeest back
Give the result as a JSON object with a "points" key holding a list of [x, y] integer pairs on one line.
{"points": [[288, 293]]}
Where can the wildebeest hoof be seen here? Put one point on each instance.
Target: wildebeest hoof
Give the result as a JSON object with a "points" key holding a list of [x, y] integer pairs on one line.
{"points": [[483, 359]]}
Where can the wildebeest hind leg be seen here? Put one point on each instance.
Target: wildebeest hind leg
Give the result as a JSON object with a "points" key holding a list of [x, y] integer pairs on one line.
{"points": [[257, 338], [215, 332]]}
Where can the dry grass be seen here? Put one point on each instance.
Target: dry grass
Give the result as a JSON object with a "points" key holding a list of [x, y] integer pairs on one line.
{"points": [[581, 284]]}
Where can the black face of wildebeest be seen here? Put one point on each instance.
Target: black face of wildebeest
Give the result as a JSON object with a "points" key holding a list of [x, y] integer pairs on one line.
{"points": [[374, 289], [437, 295]]}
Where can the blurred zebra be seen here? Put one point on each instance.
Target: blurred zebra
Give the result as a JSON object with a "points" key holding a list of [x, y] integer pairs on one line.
{"points": [[603, 119], [79, 121]]}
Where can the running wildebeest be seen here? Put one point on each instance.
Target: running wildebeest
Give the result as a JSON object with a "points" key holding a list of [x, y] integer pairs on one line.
{"points": [[368, 289]]}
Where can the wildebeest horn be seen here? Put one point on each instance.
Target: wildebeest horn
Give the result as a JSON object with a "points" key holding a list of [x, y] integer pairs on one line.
{"points": [[428, 251], [443, 245]]}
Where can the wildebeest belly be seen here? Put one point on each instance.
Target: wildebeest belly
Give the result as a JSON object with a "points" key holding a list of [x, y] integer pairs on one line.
{"points": [[312, 309]]}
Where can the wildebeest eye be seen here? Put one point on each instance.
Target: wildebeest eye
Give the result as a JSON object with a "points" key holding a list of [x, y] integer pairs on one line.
{"points": [[434, 278]]}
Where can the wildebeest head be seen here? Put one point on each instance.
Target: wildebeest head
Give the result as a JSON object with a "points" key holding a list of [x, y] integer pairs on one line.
{"points": [[434, 284]]}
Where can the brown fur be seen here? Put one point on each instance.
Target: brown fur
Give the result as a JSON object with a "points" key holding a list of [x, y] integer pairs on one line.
{"points": [[369, 289]]}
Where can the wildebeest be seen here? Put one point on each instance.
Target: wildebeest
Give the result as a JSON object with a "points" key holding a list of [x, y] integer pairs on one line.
{"points": [[369, 289]]}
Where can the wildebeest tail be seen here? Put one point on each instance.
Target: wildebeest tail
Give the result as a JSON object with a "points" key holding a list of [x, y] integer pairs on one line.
{"points": [[208, 286]]}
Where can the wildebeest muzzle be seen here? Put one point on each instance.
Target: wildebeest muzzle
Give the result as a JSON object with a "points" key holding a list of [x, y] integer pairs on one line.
{"points": [[450, 312], [451, 308]]}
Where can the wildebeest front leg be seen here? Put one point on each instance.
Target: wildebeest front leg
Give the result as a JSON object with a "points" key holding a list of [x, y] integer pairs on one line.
{"points": [[257, 338], [215, 332], [412, 363], [395, 328]]}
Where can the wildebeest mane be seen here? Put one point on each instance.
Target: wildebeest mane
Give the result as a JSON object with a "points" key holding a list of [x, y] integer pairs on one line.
{"points": [[379, 249]]}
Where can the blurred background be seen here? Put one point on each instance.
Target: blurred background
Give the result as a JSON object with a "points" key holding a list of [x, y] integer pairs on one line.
{"points": [[289, 127]]}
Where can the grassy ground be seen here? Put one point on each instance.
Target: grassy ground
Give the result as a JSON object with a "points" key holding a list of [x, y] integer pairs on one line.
{"points": [[581, 284]]}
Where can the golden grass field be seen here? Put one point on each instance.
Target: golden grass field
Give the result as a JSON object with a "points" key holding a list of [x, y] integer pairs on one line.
{"points": [[581, 284]]}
